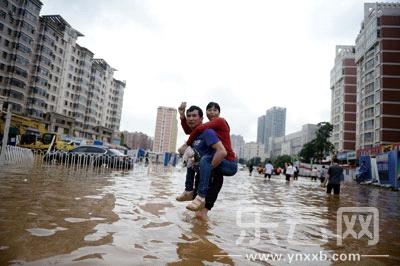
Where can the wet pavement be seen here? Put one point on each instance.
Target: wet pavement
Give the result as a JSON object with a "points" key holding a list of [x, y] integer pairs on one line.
{"points": [[60, 215]]}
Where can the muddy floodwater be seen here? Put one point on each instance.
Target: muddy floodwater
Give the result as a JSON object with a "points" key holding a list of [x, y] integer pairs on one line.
{"points": [[53, 214]]}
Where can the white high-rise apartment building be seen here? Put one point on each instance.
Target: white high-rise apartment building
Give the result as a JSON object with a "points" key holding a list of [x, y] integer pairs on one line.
{"points": [[378, 76], [65, 68], [45, 74], [19, 23], [166, 131], [343, 87]]}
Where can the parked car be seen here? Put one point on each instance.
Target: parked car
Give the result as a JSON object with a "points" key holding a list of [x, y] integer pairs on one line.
{"points": [[91, 154]]}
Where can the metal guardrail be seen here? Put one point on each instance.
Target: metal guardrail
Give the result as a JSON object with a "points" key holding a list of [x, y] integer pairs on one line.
{"points": [[85, 160], [16, 155]]}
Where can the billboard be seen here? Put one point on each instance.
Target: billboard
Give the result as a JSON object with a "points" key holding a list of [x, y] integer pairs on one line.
{"points": [[382, 161], [389, 168]]}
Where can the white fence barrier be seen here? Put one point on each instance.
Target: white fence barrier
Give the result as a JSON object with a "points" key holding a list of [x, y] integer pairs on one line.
{"points": [[16, 155]]}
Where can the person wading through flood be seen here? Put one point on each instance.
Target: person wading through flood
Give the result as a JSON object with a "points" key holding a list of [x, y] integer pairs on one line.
{"points": [[228, 166]]}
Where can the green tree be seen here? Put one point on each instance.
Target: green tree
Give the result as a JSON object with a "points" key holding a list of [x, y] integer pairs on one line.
{"points": [[307, 152], [322, 145]]}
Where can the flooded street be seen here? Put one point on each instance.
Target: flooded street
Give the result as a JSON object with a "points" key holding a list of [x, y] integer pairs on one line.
{"points": [[58, 215]]}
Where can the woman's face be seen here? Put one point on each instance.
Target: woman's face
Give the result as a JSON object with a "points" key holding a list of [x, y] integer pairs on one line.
{"points": [[212, 113]]}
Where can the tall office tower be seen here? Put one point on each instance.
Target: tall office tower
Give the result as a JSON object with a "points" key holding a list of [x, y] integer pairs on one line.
{"points": [[343, 87], [166, 130], [275, 124], [237, 142], [378, 75], [261, 129], [19, 22]]}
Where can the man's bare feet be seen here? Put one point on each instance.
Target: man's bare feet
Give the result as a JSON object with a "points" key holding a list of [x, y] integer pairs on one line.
{"points": [[202, 214]]}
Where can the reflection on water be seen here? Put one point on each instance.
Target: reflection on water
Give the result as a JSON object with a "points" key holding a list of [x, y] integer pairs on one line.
{"points": [[195, 242], [54, 214]]}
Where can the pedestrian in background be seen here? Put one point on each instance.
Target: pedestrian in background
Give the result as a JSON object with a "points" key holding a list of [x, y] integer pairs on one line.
{"points": [[250, 169], [314, 174], [335, 176]]}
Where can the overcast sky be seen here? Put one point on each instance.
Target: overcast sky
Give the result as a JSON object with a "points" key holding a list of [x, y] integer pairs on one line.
{"points": [[246, 55]]}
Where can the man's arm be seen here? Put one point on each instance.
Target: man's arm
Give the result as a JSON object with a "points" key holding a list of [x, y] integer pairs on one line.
{"points": [[185, 127], [217, 124], [219, 154], [181, 111]]}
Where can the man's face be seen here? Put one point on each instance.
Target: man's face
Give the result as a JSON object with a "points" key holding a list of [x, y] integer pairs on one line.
{"points": [[193, 119]]}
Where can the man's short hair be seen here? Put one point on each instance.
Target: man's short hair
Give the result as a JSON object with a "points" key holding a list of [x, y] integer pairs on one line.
{"points": [[213, 104], [194, 108]]}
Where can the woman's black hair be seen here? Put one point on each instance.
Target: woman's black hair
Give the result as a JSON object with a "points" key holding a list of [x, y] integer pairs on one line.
{"points": [[213, 104]]}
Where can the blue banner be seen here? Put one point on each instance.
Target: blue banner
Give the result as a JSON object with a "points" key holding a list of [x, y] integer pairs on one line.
{"points": [[393, 169], [367, 160], [388, 168], [382, 162]]}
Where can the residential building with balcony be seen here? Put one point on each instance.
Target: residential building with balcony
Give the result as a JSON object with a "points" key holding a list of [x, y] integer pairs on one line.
{"points": [[98, 99], [343, 87], [56, 40], [114, 104], [45, 74], [378, 76], [19, 22]]}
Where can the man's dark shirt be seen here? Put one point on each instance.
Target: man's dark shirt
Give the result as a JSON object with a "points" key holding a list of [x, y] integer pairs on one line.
{"points": [[335, 173]]}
